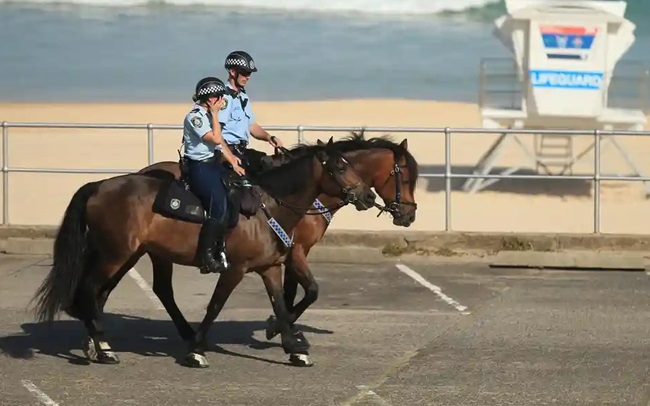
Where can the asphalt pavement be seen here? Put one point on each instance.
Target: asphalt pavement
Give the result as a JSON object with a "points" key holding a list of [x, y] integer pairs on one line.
{"points": [[388, 334]]}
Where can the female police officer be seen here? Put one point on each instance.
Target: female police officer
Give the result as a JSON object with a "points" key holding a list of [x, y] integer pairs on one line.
{"points": [[204, 147]]}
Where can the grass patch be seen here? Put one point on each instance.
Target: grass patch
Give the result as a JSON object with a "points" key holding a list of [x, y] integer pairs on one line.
{"points": [[515, 244]]}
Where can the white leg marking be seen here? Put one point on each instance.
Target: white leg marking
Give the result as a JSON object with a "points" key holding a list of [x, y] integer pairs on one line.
{"points": [[435, 289], [40, 395], [145, 287]]}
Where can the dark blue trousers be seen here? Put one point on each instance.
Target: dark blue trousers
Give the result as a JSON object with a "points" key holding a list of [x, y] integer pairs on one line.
{"points": [[205, 182]]}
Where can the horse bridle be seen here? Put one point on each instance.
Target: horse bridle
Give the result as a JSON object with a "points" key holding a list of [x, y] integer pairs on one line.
{"points": [[346, 191], [393, 205]]}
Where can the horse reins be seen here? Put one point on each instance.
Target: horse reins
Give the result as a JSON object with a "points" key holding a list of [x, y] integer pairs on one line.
{"points": [[349, 197]]}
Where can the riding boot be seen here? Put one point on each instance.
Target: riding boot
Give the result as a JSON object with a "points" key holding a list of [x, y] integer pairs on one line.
{"points": [[220, 249], [210, 250]]}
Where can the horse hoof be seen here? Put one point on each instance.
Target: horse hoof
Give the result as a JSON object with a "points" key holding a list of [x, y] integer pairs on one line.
{"points": [[108, 358], [195, 360], [272, 328], [301, 360]]}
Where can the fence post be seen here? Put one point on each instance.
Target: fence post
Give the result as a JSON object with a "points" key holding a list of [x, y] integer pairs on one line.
{"points": [[5, 173], [596, 182], [149, 144], [447, 179], [301, 134]]}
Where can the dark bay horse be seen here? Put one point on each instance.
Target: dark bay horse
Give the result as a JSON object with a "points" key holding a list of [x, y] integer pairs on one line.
{"points": [[110, 224], [383, 164]]}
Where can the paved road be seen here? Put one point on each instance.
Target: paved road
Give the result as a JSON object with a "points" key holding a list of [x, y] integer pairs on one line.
{"points": [[378, 335]]}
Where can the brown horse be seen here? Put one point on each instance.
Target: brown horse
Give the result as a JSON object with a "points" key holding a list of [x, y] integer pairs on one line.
{"points": [[110, 224], [381, 163]]}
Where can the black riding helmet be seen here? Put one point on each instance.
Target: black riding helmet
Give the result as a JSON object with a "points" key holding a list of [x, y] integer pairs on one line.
{"points": [[208, 87], [240, 61]]}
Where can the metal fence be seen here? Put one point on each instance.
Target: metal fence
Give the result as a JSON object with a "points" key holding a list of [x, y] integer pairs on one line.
{"points": [[300, 130]]}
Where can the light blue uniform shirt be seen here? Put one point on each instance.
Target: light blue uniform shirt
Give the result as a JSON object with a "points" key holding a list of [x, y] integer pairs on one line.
{"points": [[237, 116], [195, 126]]}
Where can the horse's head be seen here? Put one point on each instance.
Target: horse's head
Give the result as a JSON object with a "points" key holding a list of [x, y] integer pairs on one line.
{"points": [[395, 181], [339, 179]]}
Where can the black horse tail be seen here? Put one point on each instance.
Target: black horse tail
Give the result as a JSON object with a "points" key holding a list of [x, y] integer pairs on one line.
{"points": [[57, 291]]}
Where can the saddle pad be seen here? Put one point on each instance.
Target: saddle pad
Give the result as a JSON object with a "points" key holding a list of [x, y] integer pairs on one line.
{"points": [[174, 201]]}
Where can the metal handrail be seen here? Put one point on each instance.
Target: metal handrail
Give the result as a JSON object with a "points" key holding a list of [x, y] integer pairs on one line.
{"points": [[448, 175]]}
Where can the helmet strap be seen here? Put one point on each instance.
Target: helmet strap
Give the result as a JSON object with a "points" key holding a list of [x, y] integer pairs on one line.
{"points": [[234, 79]]}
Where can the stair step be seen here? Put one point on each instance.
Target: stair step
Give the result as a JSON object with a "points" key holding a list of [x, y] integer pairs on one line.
{"points": [[554, 151]]}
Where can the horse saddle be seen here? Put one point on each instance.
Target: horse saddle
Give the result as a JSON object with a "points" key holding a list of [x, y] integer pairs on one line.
{"points": [[243, 197], [175, 200]]}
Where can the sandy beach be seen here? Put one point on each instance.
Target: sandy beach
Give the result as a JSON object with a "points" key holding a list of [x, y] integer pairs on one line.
{"points": [[526, 206]]}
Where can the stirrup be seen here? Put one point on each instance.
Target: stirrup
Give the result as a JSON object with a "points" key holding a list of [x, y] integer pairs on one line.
{"points": [[223, 260], [217, 266], [217, 263], [212, 262]]}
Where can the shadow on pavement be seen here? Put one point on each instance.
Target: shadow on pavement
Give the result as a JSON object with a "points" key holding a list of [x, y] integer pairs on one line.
{"points": [[136, 335]]}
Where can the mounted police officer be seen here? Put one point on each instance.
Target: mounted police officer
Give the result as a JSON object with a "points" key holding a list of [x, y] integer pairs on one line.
{"points": [[237, 113], [204, 149]]}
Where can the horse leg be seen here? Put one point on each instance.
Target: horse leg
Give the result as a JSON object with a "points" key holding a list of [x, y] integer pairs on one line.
{"points": [[89, 304], [293, 344], [290, 285], [112, 282], [300, 273], [228, 281], [290, 288], [162, 287]]}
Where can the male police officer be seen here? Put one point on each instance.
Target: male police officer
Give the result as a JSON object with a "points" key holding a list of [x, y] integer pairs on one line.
{"points": [[237, 113], [204, 146]]}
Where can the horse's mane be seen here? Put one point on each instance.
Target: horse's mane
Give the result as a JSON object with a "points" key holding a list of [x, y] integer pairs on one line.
{"points": [[357, 141], [292, 176]]}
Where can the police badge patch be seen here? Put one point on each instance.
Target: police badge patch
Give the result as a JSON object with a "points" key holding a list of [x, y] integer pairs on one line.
{"points": [[196, 121]]}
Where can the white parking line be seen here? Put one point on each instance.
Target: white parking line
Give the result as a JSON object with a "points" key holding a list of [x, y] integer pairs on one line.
{"points": [[145, 287], [364, 395], [435, 289], [40, 395], [378, 399]]}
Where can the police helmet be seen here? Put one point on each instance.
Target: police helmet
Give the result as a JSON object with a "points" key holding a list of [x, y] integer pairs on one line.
{"points": [[208, 87], [241, 61]]}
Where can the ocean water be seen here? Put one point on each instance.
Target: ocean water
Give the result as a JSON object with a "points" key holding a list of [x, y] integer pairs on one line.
{"points": [[156, 50]]}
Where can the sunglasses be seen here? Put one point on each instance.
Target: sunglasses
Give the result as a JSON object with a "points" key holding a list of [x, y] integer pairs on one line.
{"points": [[244, 73]]}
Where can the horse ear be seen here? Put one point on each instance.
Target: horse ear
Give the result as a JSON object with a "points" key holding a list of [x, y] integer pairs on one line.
{"points": [[331, 141], [404, 144], [320, 143]]}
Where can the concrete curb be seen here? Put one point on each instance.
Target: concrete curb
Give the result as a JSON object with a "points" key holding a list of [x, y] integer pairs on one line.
{"points": [[621, 261], [368, 247], [487, 241], [318, 254]]}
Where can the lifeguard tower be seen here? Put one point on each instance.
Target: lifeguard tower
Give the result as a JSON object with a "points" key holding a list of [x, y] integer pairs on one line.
{"points": [[560, 77]]}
